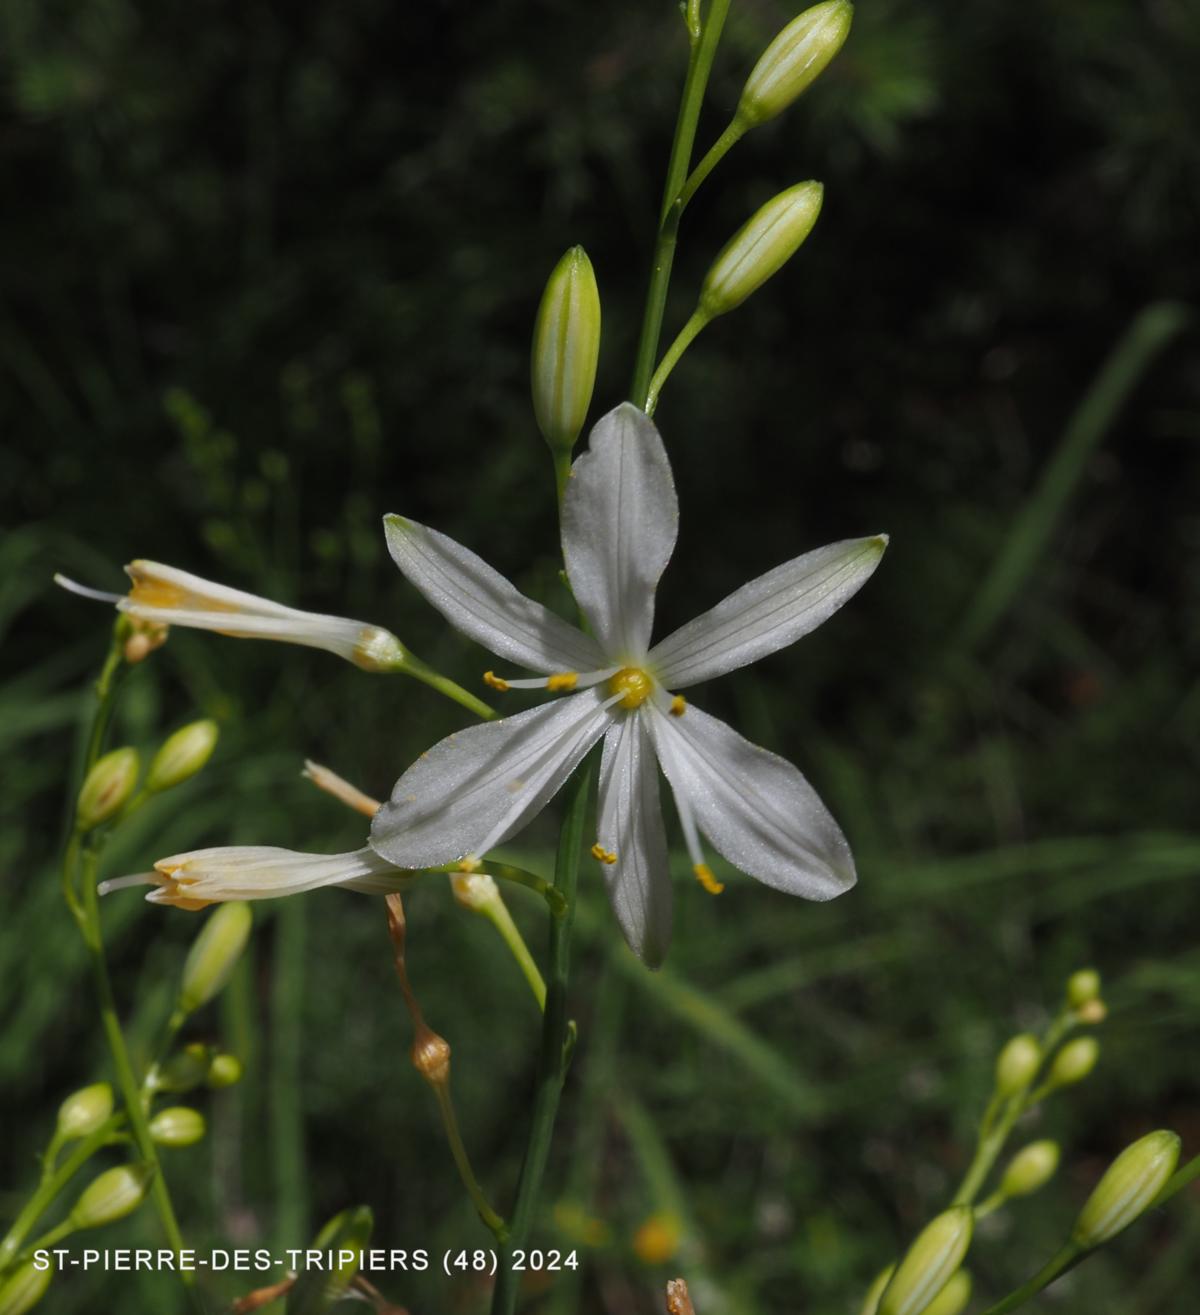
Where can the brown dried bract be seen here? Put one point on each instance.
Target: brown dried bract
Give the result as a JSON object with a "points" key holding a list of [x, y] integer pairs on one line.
{"points": [[678, 1301]]}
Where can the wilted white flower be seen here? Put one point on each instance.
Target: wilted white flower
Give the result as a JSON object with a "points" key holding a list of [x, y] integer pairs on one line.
{"points": [[247, 872], [164, 596], [478, 787]]}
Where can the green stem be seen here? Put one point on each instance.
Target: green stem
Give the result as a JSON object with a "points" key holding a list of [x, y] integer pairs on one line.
{"points": [[52, 1183], [287, 1035], [671, 359], [130, 1087], [413, 666], [553, 1057], [463, 1163], [717, 152], [1070, 1255], [986, 1153], [1179, 1180], [704, 48], [496, 912]]}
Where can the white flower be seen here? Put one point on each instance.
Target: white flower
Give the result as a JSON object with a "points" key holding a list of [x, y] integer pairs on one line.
{"points": [[480, 786], [246, 872], [164, 596]]}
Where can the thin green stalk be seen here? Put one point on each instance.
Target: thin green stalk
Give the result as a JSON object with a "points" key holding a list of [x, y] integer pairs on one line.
{"points": [[717, 152], [1179, 1180], [553, 1057], [413, 666], [127, 1081], [463, 1163], [53, 1181], [671, 359], [1069, 1256], [703, 50], [496, 912], [287, 1035]]}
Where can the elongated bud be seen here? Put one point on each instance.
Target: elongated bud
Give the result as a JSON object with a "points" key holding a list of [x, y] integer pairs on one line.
{"points": [[24, 1289], [760, 248], [1127, 1189], [1074, 1062], [953, 1297], [112, 1196], [793, 61], [1032, 1167], [875, 1291], [84, 1111], [107, 786], [214, 954], [181, 755], [931, 1260], [177, 1126], [224, 1071], [566, 347], [1017, 1064]]}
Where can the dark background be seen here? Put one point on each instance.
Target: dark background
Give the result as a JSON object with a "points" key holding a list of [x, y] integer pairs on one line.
{"points": [[270, 272]]}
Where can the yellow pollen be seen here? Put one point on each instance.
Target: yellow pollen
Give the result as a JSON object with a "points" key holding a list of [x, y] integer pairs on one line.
{"points": [[633, 685], [148, 592], [602, 855], [678, 706], [490, 678], [562, 680], [469, 864], [705, 877]]}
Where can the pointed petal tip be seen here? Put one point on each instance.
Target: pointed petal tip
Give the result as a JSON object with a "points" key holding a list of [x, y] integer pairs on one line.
{"points": [[881, 541]]}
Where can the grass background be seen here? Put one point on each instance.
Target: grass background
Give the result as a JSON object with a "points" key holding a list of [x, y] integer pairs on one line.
{"points": [[270, 272]]}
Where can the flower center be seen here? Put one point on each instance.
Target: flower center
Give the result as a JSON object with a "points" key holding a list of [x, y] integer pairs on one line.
{"points": [[633, 685]]}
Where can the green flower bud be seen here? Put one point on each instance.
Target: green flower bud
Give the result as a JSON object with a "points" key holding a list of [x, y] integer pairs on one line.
{"points": [[112, 1196], [84, 1111], [185, 1070], [224, 1071], [953, 1297], [875, 1291], [1017, 1064], [214, 954], [1127, 1189], [24, 1289], [566, 346], [177, 1126], [931, 1260], [107, 786], [1074, 1062], [760, 248], [793, 61], [1083, 987], [1032, 1167], [181, 755]]}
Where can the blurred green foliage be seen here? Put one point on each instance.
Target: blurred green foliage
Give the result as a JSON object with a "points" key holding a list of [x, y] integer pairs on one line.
{"points": [[270, 272]]}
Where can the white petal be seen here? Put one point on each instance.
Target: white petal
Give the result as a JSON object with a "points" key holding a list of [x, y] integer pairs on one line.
{"points": [[620, 518], [246, 872], [630, 825], [481, 785], [158, 586], [754, 807], [482, 604], [768, 613]]}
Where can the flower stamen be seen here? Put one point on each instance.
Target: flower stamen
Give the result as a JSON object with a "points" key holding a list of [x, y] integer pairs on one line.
{"points": [[562, 680], [678, 706], [704, 875], [602, 855], [493, 681]]}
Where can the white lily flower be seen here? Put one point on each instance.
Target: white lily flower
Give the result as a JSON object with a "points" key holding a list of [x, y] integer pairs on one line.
{"points": [[247, 872], [478, 787], [165, 596]]}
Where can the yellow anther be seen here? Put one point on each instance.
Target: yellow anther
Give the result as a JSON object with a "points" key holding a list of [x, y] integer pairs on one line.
{"points": [[562, 680], [469, 864], [633, 685], [678, 706], [156, 593], [704, 876], [602, 855], [490, 678]]}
